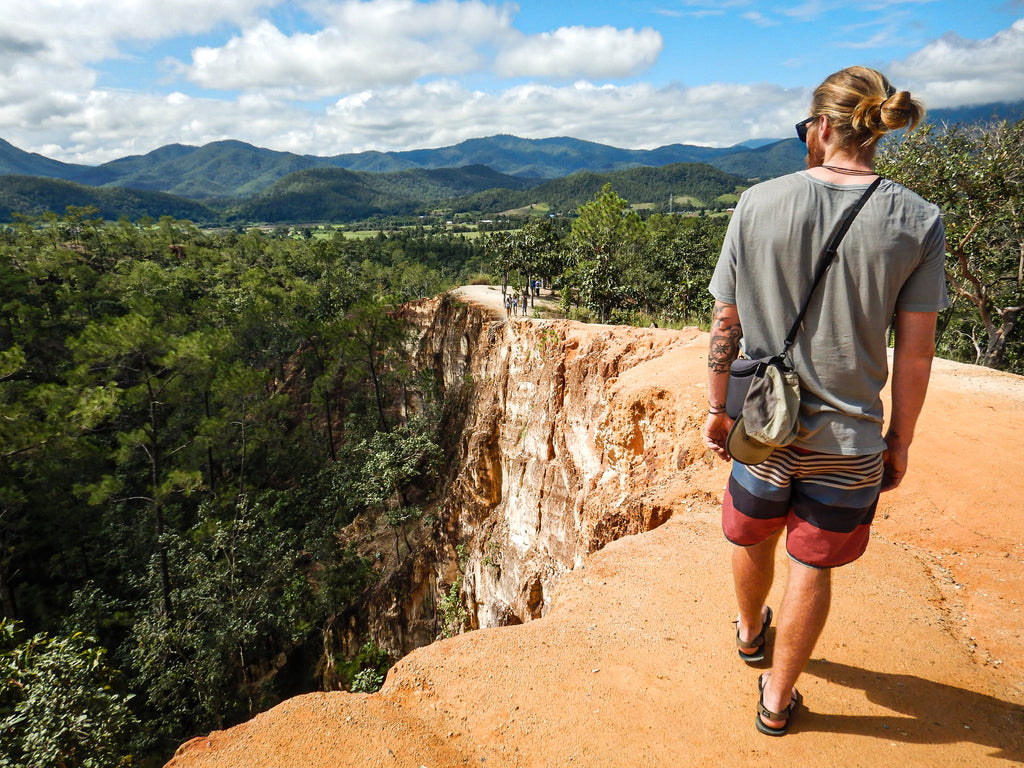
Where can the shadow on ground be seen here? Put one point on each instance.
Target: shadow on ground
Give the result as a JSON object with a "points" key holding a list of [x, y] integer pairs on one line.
{"points": [[925, 712]]}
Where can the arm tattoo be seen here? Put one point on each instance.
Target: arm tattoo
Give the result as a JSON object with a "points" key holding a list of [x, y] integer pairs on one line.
{"points": [[725, 341]]}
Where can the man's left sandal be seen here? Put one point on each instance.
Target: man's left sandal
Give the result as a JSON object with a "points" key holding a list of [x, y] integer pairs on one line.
{"points": [[757, 643], [763, 713]]}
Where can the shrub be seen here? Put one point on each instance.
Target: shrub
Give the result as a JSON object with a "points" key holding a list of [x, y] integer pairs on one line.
{"points": [[59, 703]]}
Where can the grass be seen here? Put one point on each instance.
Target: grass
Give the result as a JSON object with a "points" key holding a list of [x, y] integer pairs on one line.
{"points": [[696, 202], [534, 209]]}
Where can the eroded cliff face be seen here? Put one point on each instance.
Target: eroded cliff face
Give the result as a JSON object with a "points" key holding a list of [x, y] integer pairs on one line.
{"points": [[559, 442]]}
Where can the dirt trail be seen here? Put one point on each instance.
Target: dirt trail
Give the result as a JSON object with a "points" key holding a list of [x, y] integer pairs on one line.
{"points": [[920, 664], [490, 296]]}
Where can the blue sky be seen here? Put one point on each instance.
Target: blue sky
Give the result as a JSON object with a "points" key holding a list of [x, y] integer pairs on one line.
{"points": [[91, 80]]}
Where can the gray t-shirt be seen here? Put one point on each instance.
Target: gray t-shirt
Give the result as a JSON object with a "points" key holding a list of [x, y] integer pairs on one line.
{"points": [[893, 256]]}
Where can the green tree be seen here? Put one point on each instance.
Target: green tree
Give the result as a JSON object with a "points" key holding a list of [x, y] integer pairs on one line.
{"points": [[501, 249], [50, 292], [244, 602], [679, 257], [605, 238], [189, 419], [153, 370], [975, 174], [539, 252], [374, 337], [60, 703], [394, 462]]}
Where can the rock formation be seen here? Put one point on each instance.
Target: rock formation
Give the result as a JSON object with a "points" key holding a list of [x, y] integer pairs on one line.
{"points": [[560, 441], [566, 437]]}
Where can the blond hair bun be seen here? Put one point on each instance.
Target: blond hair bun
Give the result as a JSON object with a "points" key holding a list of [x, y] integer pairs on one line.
{"points": [[863, 106]]}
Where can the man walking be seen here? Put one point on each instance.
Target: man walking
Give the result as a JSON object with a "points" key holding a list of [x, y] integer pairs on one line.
{"points": [[823, 488]]}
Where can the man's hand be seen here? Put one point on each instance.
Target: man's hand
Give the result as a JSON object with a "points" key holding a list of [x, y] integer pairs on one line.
{"points": [[716, 434], [894, 461]]}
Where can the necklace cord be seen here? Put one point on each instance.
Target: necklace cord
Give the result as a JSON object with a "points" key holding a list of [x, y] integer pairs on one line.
{"points": [[849, 171]]}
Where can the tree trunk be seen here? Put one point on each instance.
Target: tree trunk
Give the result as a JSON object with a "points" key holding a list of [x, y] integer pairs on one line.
{"points": [[378, 396], [7, 603], [999, 337], [211, 476], [154, 453], [165, 576], [329, 416]]}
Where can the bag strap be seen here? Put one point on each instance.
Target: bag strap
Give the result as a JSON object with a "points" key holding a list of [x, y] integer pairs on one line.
{"points": [[825, 261]]}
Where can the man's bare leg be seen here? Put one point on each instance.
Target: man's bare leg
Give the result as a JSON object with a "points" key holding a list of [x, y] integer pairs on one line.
{"points": [[803, 614], [753, 571]]}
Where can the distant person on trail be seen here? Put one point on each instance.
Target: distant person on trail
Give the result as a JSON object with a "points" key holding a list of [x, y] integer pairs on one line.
{"points": [[823, 488]]}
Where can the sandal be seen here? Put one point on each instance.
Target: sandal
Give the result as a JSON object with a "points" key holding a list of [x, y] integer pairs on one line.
{"points": [[757, 643], [763, 713]]}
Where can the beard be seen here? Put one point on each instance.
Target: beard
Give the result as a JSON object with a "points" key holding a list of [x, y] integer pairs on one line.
{"points": [[815, 151]]}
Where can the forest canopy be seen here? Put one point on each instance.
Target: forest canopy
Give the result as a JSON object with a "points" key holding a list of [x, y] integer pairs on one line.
{"points": [[189, 420]]}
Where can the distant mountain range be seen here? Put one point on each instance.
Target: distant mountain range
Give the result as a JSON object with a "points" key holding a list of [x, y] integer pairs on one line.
{"points": [[229, 181], [231, 170], [235, 180]]}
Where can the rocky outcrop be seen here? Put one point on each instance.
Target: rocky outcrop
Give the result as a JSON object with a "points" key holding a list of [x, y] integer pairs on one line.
{"points": [[563, 437], [557, 444], [558, 439]]}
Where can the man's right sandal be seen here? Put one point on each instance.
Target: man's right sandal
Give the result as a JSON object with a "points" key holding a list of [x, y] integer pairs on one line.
{"points": [[763, 713], [757, 643]]}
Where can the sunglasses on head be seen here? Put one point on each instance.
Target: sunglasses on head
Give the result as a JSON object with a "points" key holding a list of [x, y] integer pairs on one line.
{"points": [[801, 128]]}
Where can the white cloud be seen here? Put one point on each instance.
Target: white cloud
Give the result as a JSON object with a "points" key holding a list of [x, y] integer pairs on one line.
{"points": [[880, 39], [806, 11], [48, 51], [363, 44], [811, 10], [760, 19], [627, 116], [593, 52], [104, 125], [108, 125], [954, 70], [384, 43], [90, 29], [327, 62], [441, 19]]}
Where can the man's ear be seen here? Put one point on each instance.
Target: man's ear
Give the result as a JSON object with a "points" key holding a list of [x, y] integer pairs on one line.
{"points": [[824, 127]]}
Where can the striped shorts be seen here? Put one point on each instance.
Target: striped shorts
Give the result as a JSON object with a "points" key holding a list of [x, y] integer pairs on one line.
{"points": [[826, 503]]}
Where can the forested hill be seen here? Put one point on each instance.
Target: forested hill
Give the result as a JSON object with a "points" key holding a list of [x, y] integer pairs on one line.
{"points": [[333, 194], [554, 157], [234, 169], [693, 185], [338, 195], [34, 196], [230, 170]]}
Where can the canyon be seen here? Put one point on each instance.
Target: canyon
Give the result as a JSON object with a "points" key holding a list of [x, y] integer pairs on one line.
{"points": [[578, 521]]}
